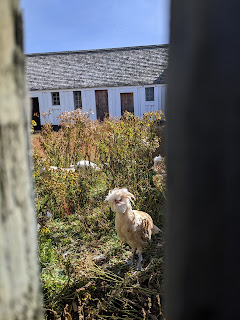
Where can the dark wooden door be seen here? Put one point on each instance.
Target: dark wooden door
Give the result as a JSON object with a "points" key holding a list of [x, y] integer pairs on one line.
{"points": [[101, 104], [127, 102], [36, 113]]}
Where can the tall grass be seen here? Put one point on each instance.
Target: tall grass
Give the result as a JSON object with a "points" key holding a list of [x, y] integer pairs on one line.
{"points": [[123, 149], [83, 225]]}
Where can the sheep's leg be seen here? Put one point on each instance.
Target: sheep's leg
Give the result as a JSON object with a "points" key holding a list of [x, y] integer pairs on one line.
{"points": [[130, 263], [139, 264]]}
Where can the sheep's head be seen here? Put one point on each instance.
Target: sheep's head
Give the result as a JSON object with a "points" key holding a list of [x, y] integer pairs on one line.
{"points": [[120, 199]]}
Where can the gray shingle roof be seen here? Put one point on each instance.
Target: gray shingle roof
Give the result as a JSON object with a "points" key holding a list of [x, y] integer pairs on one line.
{"points": [[145, 65]]}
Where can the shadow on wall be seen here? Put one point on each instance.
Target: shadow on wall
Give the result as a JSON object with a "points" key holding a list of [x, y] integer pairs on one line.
{"points": [[162, 78]]}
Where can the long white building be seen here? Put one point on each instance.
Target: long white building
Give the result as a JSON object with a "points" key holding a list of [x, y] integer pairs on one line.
{"points": [[108, 81]]}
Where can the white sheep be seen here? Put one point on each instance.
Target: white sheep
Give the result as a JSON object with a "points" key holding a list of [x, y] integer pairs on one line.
{"points": [[86, 164], [74, 167]]}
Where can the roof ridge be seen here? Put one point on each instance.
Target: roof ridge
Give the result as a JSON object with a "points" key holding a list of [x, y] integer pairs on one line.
{"points": [[99, 50]]}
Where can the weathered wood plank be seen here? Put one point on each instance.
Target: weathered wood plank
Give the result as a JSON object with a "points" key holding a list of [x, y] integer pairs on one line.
{"points": [[101, 104], [19, 271], [127, 102]]}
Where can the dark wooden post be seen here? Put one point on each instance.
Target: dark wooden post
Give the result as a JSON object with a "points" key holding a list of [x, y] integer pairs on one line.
{"points": [[203, 120]]}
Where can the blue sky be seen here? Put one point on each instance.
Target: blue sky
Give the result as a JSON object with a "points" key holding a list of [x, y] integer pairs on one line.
{"points": [[65, 25]]}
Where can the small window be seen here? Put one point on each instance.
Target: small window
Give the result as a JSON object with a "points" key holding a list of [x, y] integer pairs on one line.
{"points": [[77, 99], [55, 99], [149, 92]]}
